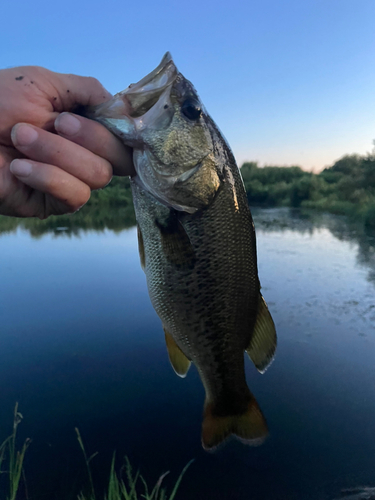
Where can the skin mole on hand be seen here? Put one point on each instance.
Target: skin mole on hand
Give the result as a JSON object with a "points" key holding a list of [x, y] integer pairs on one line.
{"points": [[19, 78]]}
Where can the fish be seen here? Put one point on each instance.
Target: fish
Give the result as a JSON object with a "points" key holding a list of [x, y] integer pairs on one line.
{"points": [[197, 246]]}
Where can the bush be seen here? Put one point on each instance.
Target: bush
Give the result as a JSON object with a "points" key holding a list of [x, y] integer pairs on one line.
{"points": [[348, 187]]}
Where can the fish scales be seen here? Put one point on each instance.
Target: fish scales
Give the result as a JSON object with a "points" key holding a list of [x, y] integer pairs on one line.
{"points": [[197, 246], [209, 310]]}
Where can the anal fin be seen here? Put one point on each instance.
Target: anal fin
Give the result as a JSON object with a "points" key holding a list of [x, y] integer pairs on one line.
{"points": [[263, 341], [180, 363]]}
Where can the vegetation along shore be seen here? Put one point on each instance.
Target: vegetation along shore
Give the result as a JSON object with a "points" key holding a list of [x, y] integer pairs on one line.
{"points": [[346, 188]]}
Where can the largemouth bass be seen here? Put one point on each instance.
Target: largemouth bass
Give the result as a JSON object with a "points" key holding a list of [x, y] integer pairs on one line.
{"points": [[197, 245]]}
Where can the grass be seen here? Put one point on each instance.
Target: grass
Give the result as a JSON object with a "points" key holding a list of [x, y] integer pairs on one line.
{"points": [[131, 487], [14, 459], [127, 489]]}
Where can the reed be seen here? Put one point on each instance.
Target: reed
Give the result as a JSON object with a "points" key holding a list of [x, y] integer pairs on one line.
{"points": [[125, 485], [127, 488], [13, 458]]}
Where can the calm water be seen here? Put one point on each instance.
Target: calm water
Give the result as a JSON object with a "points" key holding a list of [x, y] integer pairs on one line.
{"points": [[82, 347]]}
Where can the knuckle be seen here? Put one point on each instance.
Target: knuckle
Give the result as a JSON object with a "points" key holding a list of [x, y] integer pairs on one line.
{"points": [[93, 81], [94, 84], [101, 174], [70, 196], [81, 198]]}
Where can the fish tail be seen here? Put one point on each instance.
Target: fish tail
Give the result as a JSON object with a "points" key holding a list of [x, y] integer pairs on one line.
{"points": [[249, 427]]}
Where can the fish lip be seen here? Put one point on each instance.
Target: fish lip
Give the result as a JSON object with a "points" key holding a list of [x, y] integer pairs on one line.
{"points": [[154, 76], [141, 96]]}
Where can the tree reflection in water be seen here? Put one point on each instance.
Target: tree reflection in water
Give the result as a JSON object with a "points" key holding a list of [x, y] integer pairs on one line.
{"points": [[117, 218]]}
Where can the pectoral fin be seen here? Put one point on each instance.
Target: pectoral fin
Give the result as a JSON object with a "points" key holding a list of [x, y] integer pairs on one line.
{"points": [[179, 361], [263, 341], [176, 243], [141, 248]]}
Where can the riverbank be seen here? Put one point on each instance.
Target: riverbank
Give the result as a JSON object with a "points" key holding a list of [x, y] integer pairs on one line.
{"points": [[345, 188]]}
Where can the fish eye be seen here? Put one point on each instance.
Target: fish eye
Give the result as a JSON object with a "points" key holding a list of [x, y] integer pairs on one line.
{"points": [[191, 109]]}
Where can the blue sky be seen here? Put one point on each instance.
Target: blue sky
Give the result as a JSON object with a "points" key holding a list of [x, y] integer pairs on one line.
{"points": [[287, 81]]}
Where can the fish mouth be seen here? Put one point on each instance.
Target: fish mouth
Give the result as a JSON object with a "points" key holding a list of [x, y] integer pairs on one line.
{"points": [[139, 97], [142, 96]]}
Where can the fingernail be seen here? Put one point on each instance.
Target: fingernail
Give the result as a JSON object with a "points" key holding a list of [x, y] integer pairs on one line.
{"points": [[21, 168], [23, 135], [67, 124]]}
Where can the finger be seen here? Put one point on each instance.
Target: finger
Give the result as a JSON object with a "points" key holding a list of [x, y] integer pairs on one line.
{"points": [[75, 89], [46, 147], [96, 138], [66, 189]]}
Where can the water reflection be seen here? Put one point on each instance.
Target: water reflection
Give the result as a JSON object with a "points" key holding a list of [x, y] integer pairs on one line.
{"points": [[267, 220], [82, 347], [308, 222], [87, 219]]}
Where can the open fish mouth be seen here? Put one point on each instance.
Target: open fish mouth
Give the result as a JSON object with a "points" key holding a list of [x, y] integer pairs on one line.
{"points": [[140, 97], [143, 95]]}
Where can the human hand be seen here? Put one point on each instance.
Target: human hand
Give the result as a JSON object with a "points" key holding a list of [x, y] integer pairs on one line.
{"points": [[50, 162]]}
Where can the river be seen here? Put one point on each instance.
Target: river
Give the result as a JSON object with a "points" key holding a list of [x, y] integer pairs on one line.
{"points": [[81, 346]]}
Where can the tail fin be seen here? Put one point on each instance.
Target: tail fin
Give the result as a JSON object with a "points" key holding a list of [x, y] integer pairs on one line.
{"points": [[249, 427]]}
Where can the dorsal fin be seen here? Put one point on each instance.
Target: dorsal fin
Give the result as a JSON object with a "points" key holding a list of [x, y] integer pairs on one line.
{"points": [[263, 340], [179, 361]]}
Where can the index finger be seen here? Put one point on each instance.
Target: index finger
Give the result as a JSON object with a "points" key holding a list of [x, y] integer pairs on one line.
{"points": [[96, 138]]}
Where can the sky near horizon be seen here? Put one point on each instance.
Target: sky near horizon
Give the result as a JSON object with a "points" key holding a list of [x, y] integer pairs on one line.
{"points": [[289, 82]]}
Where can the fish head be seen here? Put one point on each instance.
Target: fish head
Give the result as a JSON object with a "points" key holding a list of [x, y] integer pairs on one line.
{"points": [[162, 118]]}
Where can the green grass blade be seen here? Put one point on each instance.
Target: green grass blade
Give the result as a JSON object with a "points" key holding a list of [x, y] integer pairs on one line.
{"points": [[87, 461], [133, 493], [16, 470], [173, 494], [155, 491], [3, 448], [113, 486]]}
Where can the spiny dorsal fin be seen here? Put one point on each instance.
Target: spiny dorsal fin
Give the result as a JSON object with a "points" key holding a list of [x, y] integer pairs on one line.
{"points": [[179, 361], [176, 244], [141, 248], [249, 427], [263, 340]]}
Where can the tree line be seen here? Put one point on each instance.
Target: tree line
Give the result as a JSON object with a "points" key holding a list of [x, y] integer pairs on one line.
{"points": [[347, 188]]}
